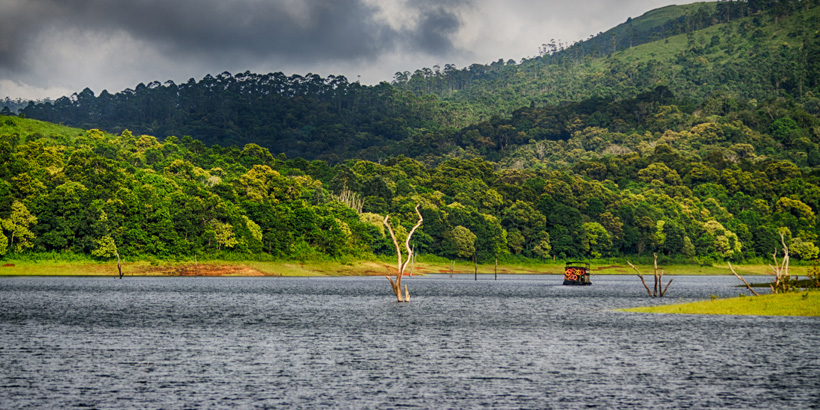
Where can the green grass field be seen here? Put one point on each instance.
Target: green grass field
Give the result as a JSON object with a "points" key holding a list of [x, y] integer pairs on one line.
{"points": [[783, 304]]}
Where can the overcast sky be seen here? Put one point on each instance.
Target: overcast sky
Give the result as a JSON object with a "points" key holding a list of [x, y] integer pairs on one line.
{"points": [[50, 48]]}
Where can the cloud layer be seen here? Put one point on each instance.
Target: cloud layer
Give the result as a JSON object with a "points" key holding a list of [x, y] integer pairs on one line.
{"points": [[54, 45]]}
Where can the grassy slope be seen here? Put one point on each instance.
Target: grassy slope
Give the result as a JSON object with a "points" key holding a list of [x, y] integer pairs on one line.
{"points": [[784, 304], [24, 127], [655, 18], [666, 50]]}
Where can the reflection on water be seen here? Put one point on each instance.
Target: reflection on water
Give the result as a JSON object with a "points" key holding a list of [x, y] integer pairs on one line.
{"points": [[519, 342]]}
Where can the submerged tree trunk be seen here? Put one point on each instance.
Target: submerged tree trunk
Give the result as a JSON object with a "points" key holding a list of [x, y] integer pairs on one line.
{"points": [[396, 284], [659, 289], [782, 279], [119, 268], [413, 261]]}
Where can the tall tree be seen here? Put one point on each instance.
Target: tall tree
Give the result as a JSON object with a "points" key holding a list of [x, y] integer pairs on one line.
{"points": [[18, 226]]}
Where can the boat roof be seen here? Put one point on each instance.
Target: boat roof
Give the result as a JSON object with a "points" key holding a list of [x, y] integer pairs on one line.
{"points": [[578, 263]]}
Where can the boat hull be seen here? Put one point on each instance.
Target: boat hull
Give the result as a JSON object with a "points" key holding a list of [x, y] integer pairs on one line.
{"points": [[568, 282]]}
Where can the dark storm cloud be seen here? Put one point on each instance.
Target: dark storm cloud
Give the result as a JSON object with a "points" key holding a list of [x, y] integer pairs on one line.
{"points": [[17, 18], [296, 30], [50, 48], [435, 30]]}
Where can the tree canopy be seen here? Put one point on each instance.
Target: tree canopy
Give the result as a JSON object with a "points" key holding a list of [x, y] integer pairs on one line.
{"points": [[696, 134]]}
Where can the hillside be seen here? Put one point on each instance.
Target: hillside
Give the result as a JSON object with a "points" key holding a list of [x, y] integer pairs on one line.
{"points": [[744, 54], [476, 82], [758, 54], [68, 191], [309, 117], [748, 71], [755, 55], [703, 145]]}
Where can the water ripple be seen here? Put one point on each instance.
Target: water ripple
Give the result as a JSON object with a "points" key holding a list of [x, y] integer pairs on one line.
{"points": [[519, 342]]}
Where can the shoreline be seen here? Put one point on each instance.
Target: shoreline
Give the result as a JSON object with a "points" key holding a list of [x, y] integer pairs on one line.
{"points": [[340, 268], [766, 305], [251, 269]]}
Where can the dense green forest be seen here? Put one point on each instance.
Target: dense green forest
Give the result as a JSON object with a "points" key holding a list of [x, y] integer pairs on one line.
{"points": [[68, 190], [301, 116], [698, 138]]}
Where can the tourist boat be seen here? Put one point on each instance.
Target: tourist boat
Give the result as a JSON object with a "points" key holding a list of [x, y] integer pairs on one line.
{"points": [[576, 274]]}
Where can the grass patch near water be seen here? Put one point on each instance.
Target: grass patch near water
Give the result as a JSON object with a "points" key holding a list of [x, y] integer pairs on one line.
{"points": [[782, 304]]}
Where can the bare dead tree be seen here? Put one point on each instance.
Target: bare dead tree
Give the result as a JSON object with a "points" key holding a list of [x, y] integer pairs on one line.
{"points": [[659, 289], [119, 268], [743, 280], [350, 198], [782, 280], [396, 284]]}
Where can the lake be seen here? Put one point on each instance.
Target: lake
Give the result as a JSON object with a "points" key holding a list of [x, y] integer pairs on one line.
{"points": [[517, 342]]}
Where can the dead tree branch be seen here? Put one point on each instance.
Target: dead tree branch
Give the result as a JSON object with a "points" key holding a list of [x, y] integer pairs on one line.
{"points": [[667, 287], [743, 280], [660, 290], [649, 292]]}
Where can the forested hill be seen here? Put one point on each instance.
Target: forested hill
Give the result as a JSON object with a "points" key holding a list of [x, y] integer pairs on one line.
{"points": [[69, 191], [703, 145], [756, 62], [301, 116], [749, 49]]}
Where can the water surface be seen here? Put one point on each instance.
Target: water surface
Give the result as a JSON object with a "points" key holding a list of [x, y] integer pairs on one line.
{"points": [[518, 342]]}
